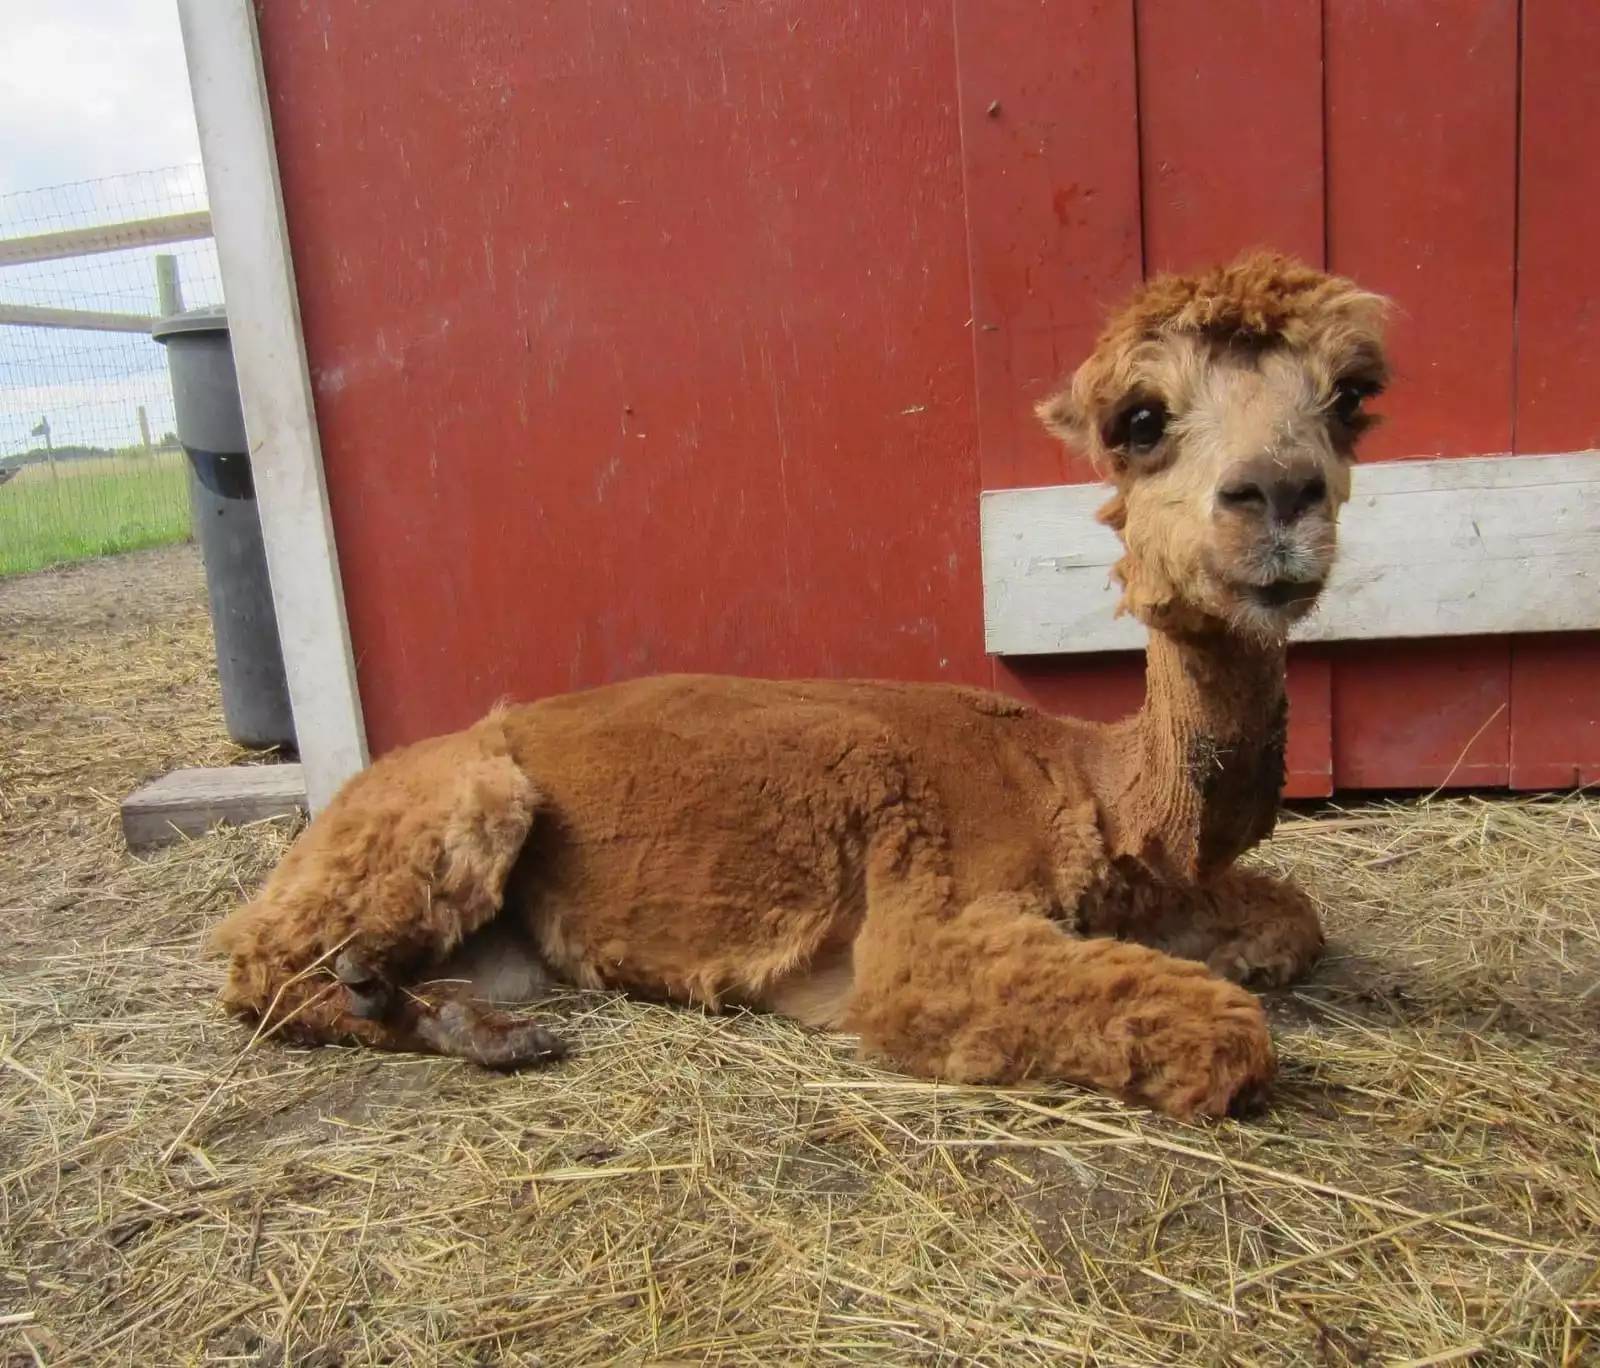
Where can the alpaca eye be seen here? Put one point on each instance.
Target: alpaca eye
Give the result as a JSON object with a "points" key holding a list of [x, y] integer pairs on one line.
{"points": [[1348, 396], [1140, 428]]}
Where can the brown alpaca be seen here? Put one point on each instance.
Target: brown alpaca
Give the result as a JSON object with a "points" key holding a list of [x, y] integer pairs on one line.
{"points": [[982, 892]]}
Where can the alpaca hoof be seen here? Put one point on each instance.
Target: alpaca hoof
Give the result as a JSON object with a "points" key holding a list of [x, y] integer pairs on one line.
{"points": [[371, 995], [1213, 1055], [490, 1039], [1240, 968], [1257, 966], [1250, 1100]]}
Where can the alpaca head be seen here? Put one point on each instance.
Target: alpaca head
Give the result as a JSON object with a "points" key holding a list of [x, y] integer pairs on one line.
{"points": [[1225, 409]]}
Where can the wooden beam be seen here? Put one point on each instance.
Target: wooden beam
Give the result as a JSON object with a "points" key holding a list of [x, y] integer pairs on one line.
{"points": [[1473, 546], [189, 802], [230, 104], [110, 237], [29, 316]]}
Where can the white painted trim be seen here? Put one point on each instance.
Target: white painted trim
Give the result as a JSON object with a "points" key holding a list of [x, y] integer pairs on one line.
{"points": [[230, 104], [1484, 545]]}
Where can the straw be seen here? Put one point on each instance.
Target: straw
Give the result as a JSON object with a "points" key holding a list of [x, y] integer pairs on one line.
{"points": [[1423, 1187]]}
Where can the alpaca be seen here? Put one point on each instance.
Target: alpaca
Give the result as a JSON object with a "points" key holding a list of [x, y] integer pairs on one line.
{"points": [[979, 891]]}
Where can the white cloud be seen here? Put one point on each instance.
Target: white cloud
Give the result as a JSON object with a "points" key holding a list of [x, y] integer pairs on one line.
{"points": [[85, 412], [91, 88]]}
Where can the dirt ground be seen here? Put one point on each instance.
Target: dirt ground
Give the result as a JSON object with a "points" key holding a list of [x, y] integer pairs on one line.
{"points": [[1424, 1186]]}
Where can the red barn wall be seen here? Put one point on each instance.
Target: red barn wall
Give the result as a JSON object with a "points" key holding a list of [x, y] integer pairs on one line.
{"points": [[684, 336]]}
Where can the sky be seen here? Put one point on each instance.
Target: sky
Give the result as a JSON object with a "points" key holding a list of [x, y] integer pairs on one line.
{"points": [[92, 89]]}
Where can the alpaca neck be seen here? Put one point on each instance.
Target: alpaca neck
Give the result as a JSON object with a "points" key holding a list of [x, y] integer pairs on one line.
{"points": [[1196, 775]]}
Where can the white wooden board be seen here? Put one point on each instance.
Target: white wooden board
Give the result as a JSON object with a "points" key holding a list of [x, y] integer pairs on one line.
{"points": [[110, 237], [189, 802], [1485, 545], [230, 105], [87, 320]]}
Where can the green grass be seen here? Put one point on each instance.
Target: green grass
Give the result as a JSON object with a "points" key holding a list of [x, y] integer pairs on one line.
{"points": [[92, 508]]}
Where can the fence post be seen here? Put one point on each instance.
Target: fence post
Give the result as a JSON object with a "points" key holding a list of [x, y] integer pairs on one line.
{"points": [[43, 430], [168, 290], [169, 297], [144, 427]]}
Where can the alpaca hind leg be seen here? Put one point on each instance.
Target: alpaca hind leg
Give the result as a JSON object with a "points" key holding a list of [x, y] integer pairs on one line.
{"points": [[497, 965], [995, 992], [494, 1040], [457, 1004], [409, 858], [1248, 927]]}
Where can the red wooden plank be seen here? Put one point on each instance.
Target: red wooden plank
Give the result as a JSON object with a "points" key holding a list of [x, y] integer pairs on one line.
{"points": [[1421, 148], [1219, 176], [1555, 711], [1309, 762], [639, 340], [1558, 269], [1051, 158], [1099, 688], [1107, 687], [1230, 129], [1555, 681], [1421, 137], [1410, 714]]}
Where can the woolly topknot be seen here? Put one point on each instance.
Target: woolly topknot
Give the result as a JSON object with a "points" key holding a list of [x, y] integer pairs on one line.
{"points": [[1261, 299]]}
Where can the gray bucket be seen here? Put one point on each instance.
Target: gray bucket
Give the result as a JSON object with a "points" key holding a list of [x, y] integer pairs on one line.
{"points": [[205, 391]]}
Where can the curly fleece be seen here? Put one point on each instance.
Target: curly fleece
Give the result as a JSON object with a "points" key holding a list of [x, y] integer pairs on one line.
{"points": [[982, 892]]}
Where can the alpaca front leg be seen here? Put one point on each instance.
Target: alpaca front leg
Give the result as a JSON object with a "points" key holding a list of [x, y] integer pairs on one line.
{"points": [[311, 1009], [1248, 927], [996, 993], [1264, 931]]}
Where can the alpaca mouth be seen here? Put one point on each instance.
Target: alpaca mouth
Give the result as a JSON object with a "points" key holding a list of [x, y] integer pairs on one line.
{"points": [[1283, 593]]}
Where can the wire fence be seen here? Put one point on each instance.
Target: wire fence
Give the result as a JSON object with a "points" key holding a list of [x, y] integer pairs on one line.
{"points": [[89, 462]]}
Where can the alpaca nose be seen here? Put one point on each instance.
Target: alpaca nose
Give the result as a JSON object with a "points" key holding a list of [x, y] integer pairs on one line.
{"points": [[1271, 489]]}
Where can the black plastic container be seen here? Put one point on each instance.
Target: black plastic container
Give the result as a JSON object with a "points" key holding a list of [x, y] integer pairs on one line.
{"points": [[205, 391]]}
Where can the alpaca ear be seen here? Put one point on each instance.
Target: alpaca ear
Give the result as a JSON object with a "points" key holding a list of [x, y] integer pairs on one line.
{"points": [[1061, 416]]}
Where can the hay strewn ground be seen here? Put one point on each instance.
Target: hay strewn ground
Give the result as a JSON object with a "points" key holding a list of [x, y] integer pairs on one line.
{"points": [[1425, 1187]]}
